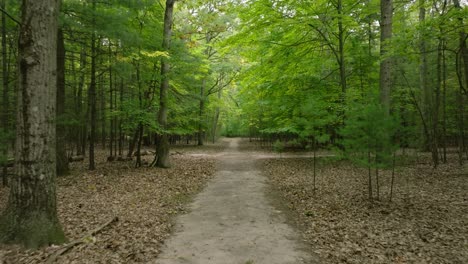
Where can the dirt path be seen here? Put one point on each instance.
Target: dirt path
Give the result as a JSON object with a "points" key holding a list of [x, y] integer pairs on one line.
{"points": [[233, 222]]}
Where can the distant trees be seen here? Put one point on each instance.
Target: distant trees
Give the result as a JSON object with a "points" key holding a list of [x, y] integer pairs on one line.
{"points": [[295, 54]]}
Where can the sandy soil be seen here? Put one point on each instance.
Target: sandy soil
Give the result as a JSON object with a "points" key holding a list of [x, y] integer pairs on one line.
{"points": [[233, 221]]}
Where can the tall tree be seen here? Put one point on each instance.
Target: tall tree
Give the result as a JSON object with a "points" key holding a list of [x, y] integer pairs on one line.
{"points": [[30, 217], [5, 97], [386, 9], [162, 148], [92, 93]]}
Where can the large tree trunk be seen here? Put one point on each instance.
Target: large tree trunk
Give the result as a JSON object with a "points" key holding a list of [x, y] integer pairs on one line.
{"points": [[30, 217], [162, 148], [62, 159], [386, 8]]}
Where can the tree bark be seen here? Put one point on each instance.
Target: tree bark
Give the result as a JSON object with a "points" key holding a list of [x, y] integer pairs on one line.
{"points": [[426, 101], [201, 112], [341, 58], [162, 148], [92, 97], [30, 217], [386, 8], [5, 96], [62, 159]]}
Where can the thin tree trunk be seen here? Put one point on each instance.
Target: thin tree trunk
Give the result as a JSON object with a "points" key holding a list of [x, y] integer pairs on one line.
{"points": [[423, 77], [82, 128], [444, 103], [369, 184], [30, 217], [201, 112], [162, 148], [216, 117], [5, 97], [140, 137], [393, 176], [315, 165], [102, 110], [341, 42], [121, 135], [92, 96], [111, 106]]}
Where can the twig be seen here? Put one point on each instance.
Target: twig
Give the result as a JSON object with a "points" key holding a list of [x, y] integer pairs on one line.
{"points": [[10, 16], [74, 243]]}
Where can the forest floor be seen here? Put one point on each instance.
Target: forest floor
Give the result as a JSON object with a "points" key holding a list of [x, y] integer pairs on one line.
{"points": [[145, 200], [426, 221]]}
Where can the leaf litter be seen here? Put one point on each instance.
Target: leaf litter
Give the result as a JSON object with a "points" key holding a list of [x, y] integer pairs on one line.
{"points": [[146, 201], [426, 222]]}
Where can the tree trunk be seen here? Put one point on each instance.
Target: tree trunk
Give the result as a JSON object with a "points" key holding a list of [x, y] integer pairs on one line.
{"points": [[216, 117], [5, 97], [92, 97], [111, 106], [102, 110], [62, 159], [463, 91], [386, 8], [162, 148], [121, 135], [201, 112], [423, 77], [341, 42], [30, 217]]}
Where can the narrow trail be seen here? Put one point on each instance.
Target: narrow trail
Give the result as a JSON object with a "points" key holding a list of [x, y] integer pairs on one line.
{"points": [[233, 222]]}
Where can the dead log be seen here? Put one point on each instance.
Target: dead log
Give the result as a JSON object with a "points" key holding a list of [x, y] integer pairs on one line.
{"points": [[77, 242]]}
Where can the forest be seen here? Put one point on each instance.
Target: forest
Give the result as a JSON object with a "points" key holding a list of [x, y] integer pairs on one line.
{"points": [[118, 117]]}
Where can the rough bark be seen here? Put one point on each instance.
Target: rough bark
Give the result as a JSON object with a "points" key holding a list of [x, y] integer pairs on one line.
{"points": [[30, 217], [162, 148], [386, 8], [62, 159]]}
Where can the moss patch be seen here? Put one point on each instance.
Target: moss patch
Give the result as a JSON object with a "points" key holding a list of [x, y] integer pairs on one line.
{"points": [[33, 230]]}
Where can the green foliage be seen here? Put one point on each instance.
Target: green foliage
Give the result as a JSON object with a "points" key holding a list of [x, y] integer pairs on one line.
{"points": [[368, 131], [278, 146]]}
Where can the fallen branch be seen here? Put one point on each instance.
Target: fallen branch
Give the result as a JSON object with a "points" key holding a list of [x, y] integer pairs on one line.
{"points": [[82, 240]]}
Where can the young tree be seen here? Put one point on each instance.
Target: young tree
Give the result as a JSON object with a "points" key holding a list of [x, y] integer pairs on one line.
{"points": [[30, 217]]}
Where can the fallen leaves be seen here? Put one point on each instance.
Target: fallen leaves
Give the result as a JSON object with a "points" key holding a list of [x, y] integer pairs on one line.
{"points": [[427, 222], [146, 200]]}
